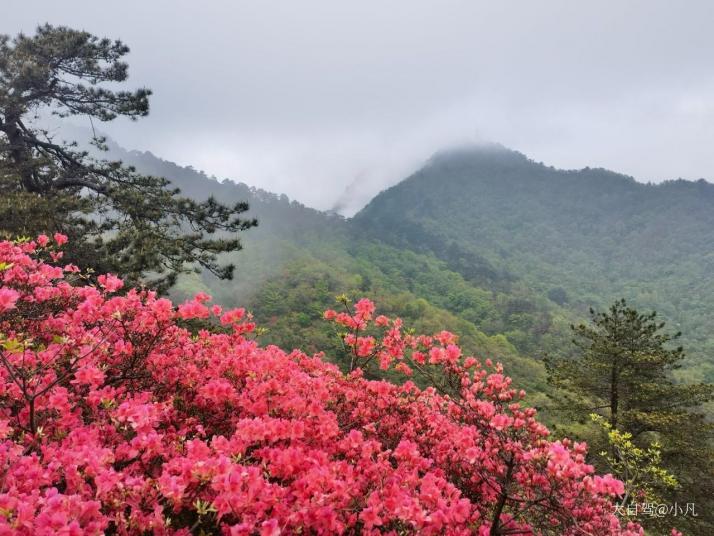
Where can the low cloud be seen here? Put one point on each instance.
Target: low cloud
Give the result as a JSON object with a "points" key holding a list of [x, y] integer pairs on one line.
{"points": [[330, 102]]}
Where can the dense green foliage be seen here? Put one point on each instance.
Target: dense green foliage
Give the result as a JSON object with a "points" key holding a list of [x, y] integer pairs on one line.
{"points": [[118, 220]]}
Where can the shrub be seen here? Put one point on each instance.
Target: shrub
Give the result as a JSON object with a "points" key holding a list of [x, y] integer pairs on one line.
{"points": [[114, 418]]}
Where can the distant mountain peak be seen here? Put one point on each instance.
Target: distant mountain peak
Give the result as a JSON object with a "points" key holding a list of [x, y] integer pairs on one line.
{"points": [[480, 151]]}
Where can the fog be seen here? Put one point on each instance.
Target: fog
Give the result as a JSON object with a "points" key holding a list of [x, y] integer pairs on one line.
{"points": [[329, 102]]}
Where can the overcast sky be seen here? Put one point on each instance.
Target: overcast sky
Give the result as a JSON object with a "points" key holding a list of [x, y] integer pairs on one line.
{"points": [[310, 97]]}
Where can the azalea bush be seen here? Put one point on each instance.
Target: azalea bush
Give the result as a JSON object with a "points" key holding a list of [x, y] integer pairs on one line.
{"points": [[115, 418]]}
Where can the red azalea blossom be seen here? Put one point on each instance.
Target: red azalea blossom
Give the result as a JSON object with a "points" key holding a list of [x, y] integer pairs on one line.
{"points": [[128, 423], [60, 239], [110, 283], [8, 298]]}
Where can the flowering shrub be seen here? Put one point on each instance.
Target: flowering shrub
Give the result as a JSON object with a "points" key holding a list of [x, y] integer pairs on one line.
{"points": [[114, 418]]}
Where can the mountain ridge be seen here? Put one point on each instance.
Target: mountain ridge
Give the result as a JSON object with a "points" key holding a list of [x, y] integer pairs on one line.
{"points": [[544, 244]]}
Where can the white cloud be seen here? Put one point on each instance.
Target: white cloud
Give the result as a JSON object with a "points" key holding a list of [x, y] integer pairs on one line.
{"points": [[310, 97]]}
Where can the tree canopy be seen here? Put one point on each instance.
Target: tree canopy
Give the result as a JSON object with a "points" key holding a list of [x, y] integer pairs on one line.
{"points": [[117, 219]]}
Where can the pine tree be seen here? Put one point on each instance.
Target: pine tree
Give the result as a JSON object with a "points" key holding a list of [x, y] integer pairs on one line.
{"points": [[624, 369], [117, 220], [623, 372]]}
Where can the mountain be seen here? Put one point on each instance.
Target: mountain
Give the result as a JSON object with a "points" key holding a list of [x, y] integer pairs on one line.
{"points": [[583, 237], [284, 225], [507, 249]]}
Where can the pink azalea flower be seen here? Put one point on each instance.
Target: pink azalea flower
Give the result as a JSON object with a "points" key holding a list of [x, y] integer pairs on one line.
{"points": [[8, 299], [110, 282]]}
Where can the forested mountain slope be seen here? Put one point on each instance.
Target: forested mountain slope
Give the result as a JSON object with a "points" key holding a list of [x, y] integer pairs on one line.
{"points": [[284, 225], [583, 238]]}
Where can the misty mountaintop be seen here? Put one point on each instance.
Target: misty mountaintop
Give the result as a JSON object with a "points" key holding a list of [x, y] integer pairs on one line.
{"points": [[529, 217]]}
